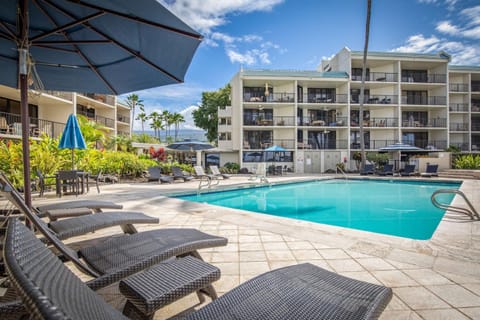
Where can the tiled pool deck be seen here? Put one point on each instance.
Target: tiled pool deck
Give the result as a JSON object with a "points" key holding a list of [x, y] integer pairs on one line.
{"points": [[433, 279]]}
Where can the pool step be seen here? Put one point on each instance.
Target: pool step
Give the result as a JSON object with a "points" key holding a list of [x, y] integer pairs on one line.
{"points": [[460, 174]]}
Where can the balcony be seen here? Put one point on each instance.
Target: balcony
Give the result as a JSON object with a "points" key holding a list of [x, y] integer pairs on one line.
{"points": [[375, 99], [377, 76], [458, 126], [475, 87], [124, 119], [377, 122], [428, 123], [256, 144], [61, 94], [107, 122], [463, 146], [277, 97], [270, 121], [325, 122], [372, 144], [475, 126], [314, 98], [427, 144], [12, 125], [427, 78], [326, 144], [458, 107], [433, 100], [458, 87]]}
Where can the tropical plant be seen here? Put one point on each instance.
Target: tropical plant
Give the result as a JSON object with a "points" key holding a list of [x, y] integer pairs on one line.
{"points": [[231, 167], [144, 138], [357, 157], [468, 161], [379, 159], [206, 116], [133, 101], [93, 132], [120, 142], [453, 149], [166, 116]]}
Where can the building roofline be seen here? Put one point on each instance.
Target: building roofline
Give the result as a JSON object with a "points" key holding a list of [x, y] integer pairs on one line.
{"points": [[440, 55], [293, 73], [464, 68]]}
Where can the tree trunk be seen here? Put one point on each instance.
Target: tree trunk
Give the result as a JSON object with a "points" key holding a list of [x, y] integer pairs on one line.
{"points": [[362, 88]]}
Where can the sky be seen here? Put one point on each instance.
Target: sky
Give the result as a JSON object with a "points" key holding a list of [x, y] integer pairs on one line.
{"points": [[298, 34]]}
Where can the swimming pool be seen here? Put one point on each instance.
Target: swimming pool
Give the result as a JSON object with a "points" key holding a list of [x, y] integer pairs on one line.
{"points": [[392, 207]]}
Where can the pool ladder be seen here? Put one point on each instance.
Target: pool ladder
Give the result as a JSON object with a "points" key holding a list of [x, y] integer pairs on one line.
{"points": [[472, 213], [342, 172]]}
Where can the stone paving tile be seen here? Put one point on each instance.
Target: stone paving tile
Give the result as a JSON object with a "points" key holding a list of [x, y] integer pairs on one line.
{"points": [[275, 246], [442, 314], [473, 313], [474, 287], [300, 245], [362, 276], [248, 238], [419, 298], [224, 257], [375, 264], [399, 315], [345, 265], [250, 246], [320, 263], [307, 254], [246, 256], [394, 278], [253, 268], [333, 254], [427, 276], [280, 255], [456, 295]]}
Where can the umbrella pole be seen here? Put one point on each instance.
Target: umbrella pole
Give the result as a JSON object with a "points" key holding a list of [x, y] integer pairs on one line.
{"points": [[23, 82], [73, 159]]}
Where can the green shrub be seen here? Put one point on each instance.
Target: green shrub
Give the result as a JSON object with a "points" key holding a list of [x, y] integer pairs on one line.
{"points": [[379, 159], [468, 161], [231, 167]]}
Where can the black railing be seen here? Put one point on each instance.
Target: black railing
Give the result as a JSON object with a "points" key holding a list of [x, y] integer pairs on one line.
{"points": [[458, 87], [372, 144], [475, 127], [475, 87], [107, 122], [378, 76], [269, 121], [435, 123], [458, 126], [282, 97], [323, 122], [38, 127], [427, 144], [315, 98], [322, 144], [376, 122], [427, 78], [434, 100], [463, 146], [458, 107], [375, 99], [124, 119]]}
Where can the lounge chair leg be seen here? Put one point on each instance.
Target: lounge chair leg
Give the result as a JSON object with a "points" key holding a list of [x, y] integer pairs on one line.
{"points": [[128, 228]]}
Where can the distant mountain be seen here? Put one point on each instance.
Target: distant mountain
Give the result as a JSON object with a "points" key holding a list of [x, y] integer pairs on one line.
{"points": [[182, 134]]}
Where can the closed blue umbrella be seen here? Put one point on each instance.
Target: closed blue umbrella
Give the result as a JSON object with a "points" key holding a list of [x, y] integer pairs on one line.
{"points": [[110, 47], [72, 137]]}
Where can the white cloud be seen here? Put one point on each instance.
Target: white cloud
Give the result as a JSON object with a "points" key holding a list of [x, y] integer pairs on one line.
{"points": [[187, 115], [447, 27], [469, 24], [462, 53], [207, 16]]}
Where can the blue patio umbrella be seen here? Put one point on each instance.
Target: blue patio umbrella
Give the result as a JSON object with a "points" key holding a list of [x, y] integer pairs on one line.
{"points": [[72, 137], [399, 147], [274, 149], [92, 46]]}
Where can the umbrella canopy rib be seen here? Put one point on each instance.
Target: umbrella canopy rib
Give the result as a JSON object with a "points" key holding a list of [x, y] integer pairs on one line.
{"points": [[138, 19]]}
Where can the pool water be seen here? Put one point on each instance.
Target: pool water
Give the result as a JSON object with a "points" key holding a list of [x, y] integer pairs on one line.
{"points": [[399, 208]]}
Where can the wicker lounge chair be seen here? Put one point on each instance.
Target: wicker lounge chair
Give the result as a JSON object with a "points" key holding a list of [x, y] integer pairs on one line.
{"points": [[430, 171], [179, 175], [155, 174], [216, 172], [387, 170], [368, 169], [409, 170], [82, 224], [94, 205], [51, 291], [123, 255]]}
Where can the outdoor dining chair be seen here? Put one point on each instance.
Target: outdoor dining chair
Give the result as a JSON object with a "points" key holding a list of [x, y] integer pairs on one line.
{"points": [[50, 290]]}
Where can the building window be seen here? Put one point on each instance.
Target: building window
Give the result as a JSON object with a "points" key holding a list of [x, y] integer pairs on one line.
{"points": [[225, 121], [357, 74], [225, 136], [321, 95], [86, 111]]}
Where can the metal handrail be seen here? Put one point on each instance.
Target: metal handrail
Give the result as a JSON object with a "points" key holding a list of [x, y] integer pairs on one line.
{"points": [[472, 213], [342, 172]]}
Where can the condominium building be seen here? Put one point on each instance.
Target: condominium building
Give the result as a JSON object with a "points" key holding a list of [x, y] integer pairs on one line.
{"points": [[49, 111], [418, 99]]}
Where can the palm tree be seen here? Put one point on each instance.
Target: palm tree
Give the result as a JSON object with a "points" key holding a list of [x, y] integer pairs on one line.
{"points": [[165, 118], [362, 87], [132, 101], [143, 118], [156, 123], [177, 118]]}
